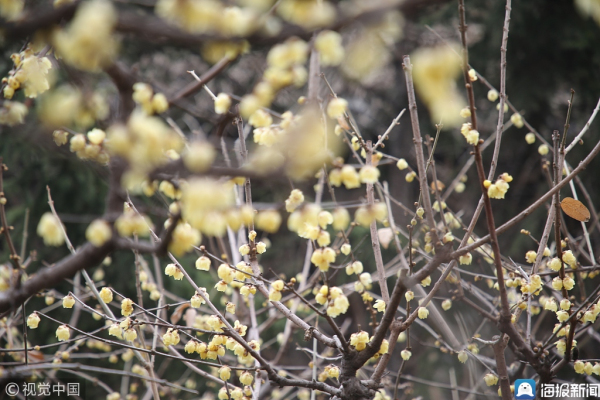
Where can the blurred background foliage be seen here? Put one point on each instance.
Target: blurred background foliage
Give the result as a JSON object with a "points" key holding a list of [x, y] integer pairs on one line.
{"points": [[551, 48]]}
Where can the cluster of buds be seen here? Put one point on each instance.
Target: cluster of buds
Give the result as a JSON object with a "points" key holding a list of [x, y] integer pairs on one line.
{"points": [[364, 282], [30, 73], [498, 189], [354, 268], [295, 199], [276, 289], [132, 223], [586, 368], [471, 135], [171, 337], [174, 271], [561, 346], [567, 283], [149, 102], [359, 340], [323, 257], [87, 147], [197, 300], [330, 371], [365, 215], [346, 175]]}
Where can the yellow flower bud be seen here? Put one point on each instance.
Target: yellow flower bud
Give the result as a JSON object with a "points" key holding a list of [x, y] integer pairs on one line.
{"points": [[379, 305], [530, 138], [405, 354], [402, 164], [63, 333], [98, 232], [225, 373], [336, 107], [446, 304], [130, 334], [68, 301], [490, 379], [346, 249], [126, 307], [517, 120], [203, 263], [33, 320]]}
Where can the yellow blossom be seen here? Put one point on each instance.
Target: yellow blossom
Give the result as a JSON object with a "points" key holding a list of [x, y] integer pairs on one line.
{"points": [[98, 232], [466, 259], [530, 138], [568, 283], [435, 70], [294, 200], [369, 174], [63, 333], [222, 103], [341, 218], [49, 228], [410, 176], [337, 108], [33, 320], [261, 247], [203, 263], [346, 249], [87, 42], [35, 75], [472, 75], [268, 221], [13, 113], [184, 239], [379, 306], [490, 379], [329, 46], [199, 156], [349, 176], [359, 340], [126, 307], [569, 258], [68, 301], [405, 354], [446, 304], [171, 337], [260, 119], [225, 372], [517, 120]]}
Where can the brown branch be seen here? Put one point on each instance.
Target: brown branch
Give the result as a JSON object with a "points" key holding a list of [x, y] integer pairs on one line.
{"points": [[525, 213], [500, 125], [418, 142], [41, 18], [499, 347], [87, 257], [124, 81], [385, 293], [4, 228], [402, 284], [206, 77]]}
